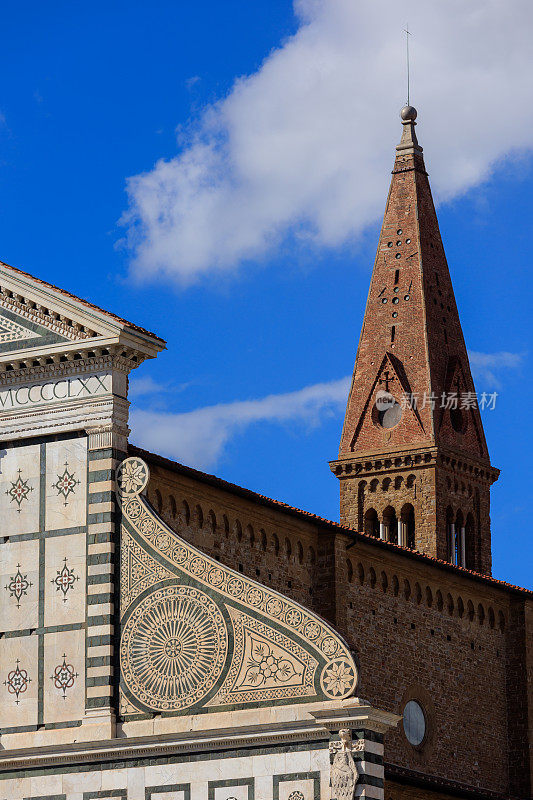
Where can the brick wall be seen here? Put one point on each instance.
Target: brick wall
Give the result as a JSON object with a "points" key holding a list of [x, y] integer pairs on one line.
{"points": [[241, 534], [457, 645], [394, 791], [420, 636]]}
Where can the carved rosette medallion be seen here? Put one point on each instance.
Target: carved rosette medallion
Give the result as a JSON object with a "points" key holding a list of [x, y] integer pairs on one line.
{"points": [[132, 476], [177, 651], [174, 646], [338, 677]]}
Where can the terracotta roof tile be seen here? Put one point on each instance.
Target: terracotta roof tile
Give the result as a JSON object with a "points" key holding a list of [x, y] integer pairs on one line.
{"points": [[220, 483]]}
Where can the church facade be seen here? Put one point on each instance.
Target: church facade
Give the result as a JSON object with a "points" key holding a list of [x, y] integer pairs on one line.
{"points": [[166, 635]]}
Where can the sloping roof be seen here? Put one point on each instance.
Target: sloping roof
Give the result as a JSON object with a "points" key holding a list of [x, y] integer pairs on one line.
{"points": [[81, 300], [262, 500], [410, 777]]}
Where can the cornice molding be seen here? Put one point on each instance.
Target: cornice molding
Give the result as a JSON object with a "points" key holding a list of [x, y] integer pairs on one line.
{"points": [[310, 723], [60, 366], [51, 320], [362, 465]]}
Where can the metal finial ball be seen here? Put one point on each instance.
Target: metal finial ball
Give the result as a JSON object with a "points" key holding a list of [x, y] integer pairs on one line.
{"points": [[408, 113]]}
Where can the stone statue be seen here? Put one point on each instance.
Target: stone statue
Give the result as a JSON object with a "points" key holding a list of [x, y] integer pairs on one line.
{"points": [[344, 774]]}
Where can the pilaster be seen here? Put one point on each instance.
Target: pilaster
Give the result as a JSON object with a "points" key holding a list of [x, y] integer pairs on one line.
{"points": [[357, 732], [64, 367], [107, 447]]}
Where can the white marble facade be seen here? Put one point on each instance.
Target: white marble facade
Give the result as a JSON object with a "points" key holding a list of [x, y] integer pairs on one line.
{"points": [[297, 775], [66, 484], [43, 513], [20, 471], [19, 681]]}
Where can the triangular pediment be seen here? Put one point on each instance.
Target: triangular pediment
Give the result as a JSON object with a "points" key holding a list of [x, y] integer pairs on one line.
{"points": [[11, 331], [18, 333], [459, 419], [38, 319], [390, 379]]}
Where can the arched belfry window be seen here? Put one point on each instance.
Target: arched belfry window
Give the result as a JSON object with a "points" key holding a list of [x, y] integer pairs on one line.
{"points": [[390, 525], [450, 534], [361, 504], [459, 548], [470, 544], [407, 526], [372, 522]]}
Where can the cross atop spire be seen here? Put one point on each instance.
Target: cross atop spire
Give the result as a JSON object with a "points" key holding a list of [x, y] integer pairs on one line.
{"points": [[407, 35]]}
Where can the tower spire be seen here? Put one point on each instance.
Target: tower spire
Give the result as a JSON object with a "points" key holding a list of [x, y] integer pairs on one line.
{"points": [[413, 462]]}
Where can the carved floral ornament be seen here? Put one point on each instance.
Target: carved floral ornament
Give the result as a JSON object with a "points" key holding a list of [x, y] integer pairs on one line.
{"points": [[197, 634]]}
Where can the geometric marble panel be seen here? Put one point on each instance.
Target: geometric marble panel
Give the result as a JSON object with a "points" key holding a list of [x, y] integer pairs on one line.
{"points": [[14, 331], [304, 788], [64, 583], [231, 791], [116, 794], [19, 490], [66, 484], [19, 585], [18, 681], [165, 793], [64, 676]]}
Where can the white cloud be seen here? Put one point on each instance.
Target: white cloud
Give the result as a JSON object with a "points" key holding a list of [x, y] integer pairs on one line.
{"points": [[197, 438], [301, 150], [143, 386], [140, 387], [485, 366]]}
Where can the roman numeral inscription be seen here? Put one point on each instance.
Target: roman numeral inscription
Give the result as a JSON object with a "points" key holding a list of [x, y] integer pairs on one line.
{"points": [[65, 389]]}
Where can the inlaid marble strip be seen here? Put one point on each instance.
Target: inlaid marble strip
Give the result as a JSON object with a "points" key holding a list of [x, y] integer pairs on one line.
{"points": [[102, 518], [100, 578], [42, 524], [98, 661], [103, 640], [95, 694], [102, 471], [375, 748], [375, 792], [372, 770], [101, 503], [73, 626]]}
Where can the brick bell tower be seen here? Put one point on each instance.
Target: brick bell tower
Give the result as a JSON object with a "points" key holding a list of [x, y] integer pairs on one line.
{"points": [[413, 463]]}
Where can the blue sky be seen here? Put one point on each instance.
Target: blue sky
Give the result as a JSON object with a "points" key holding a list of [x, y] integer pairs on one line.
{"points": [[217, 173]]}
